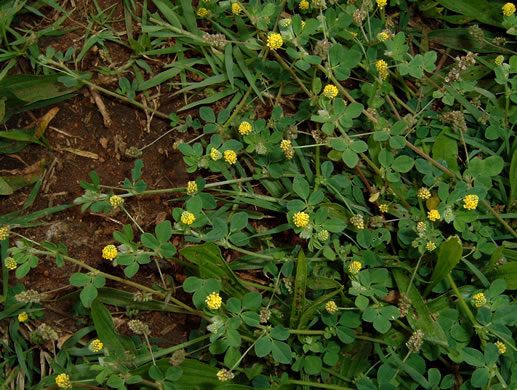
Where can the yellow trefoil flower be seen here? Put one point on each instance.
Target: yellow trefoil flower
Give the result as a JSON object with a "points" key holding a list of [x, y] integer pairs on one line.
{"points": [[202, 12], [330, 91], [96, 345], [23, 316], [501, 347], [188, 218], [63, 381], [508, 9], [331, 307], [301, 219], [470, 202], [4, 232], [214, 301], [382, 36], [430, 246], [382, 3], [236, 8], [274, 41], [304, 5], [355, 267], [191, 187], [215, 154], [245, 128], [109, 252], [10, 263], [382, 68], [383, 208], [224, 375], [116, 201], [230, 156], [479, 299], [433, 215], [423, 193]]}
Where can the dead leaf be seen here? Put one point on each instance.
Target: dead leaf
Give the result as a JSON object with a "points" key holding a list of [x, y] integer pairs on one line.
{"points": [[44, 121], [82, 153]]}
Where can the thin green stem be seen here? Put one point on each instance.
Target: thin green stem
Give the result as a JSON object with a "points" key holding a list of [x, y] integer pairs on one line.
{"points": [[414, 273], [463, 303], [317, 384]]}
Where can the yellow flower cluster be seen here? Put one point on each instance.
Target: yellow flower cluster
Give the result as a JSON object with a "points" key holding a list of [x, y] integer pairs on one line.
{"points": [[382, 36], [470, 202], [433, 215], [423, 193], [245, 128], [430, 246], [4, 232], [479, 299], [224, 375], [383, 208], [230, 156], [323, 235], [116, 201], [63, 381], [501, 347], [304, 5], [23, 316], [236, 9], [508, 9], [382, 68], [331, 307], [382, 3], [202, 12], [421, 227], [109, 252], [215, 154], [274, 41], [187, 218], [191, 187], [288, 149], [355, 267], [10, 263], [357, 221], [214, 301], [330, 91], [301, 219], [96, 346]]}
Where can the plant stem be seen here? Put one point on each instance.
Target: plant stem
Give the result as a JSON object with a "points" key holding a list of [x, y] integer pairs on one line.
{"points": [[316, 384], [463, 303]]}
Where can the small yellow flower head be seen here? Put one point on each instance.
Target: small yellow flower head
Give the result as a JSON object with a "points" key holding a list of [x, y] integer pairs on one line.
{"points": [[245, 128], [304, 5], [230, 156], [63, 381], [224, 375], [96, 346], [214, 301], [423, 193], [301, 219], [274, 41], [22, 317], [421, 227], [357, 221], [191, 187], [382, 36], [109, 252], [382, 3], [285, 145], [4, 232], [383, 208], [470, 202], [430, 246], [284, 23], [501, 347], [323, 235], [236, 9], [433, 215], [202, 12], [303, 24], [508, 9], [187, 218], [355, 267], [499, 60], [331, 307], [116, 201], [479, 299], [10, 264], [215, 154], [330, 91], [382, 68]]}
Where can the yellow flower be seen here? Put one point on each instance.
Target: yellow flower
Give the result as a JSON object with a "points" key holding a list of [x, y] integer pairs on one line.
{"points": [[508, 9], [301, 219], [501, 347], [357, 221], [215, 154], [304, 5], [22, 317], [214, 301], [10, 264], [355, 267], [202, 12], [323, 235], [479, 299], [191, 187], [382, 36], [274, 41], [382, 3], [188, 218], [423, 193], [63, 381], [116, 201], [383, 208], [430, 246], [96, 346], [433, 215], [421, 227], [330, 91], [245, 128], [470, 202], [382, 68], [230, 156], [285, 145], [224, 375], [331, 307], [236, 8], [4, 232], [109, 252]]}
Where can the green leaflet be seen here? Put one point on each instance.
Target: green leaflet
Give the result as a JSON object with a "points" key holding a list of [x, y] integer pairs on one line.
{"points": [[448, 256]]}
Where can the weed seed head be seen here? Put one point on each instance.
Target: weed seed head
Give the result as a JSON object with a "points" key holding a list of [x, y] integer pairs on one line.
{"points": [[383, 207], [274, 41], [10, 263], [188, 218], [501, 347], [499, 60], [433, 215], [29, 296], [139, 327], [323, 235], [470, 202], [331, 307], [330, 91], [479, 299], [382, 36], [224, 375], [245, 128], [382, 68], [301, 219], [63, 381], [415, 341], [430, 246], [214, 301], [109, 252], [264, 315], [230, 157], [358, 221], [508, 9]]}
